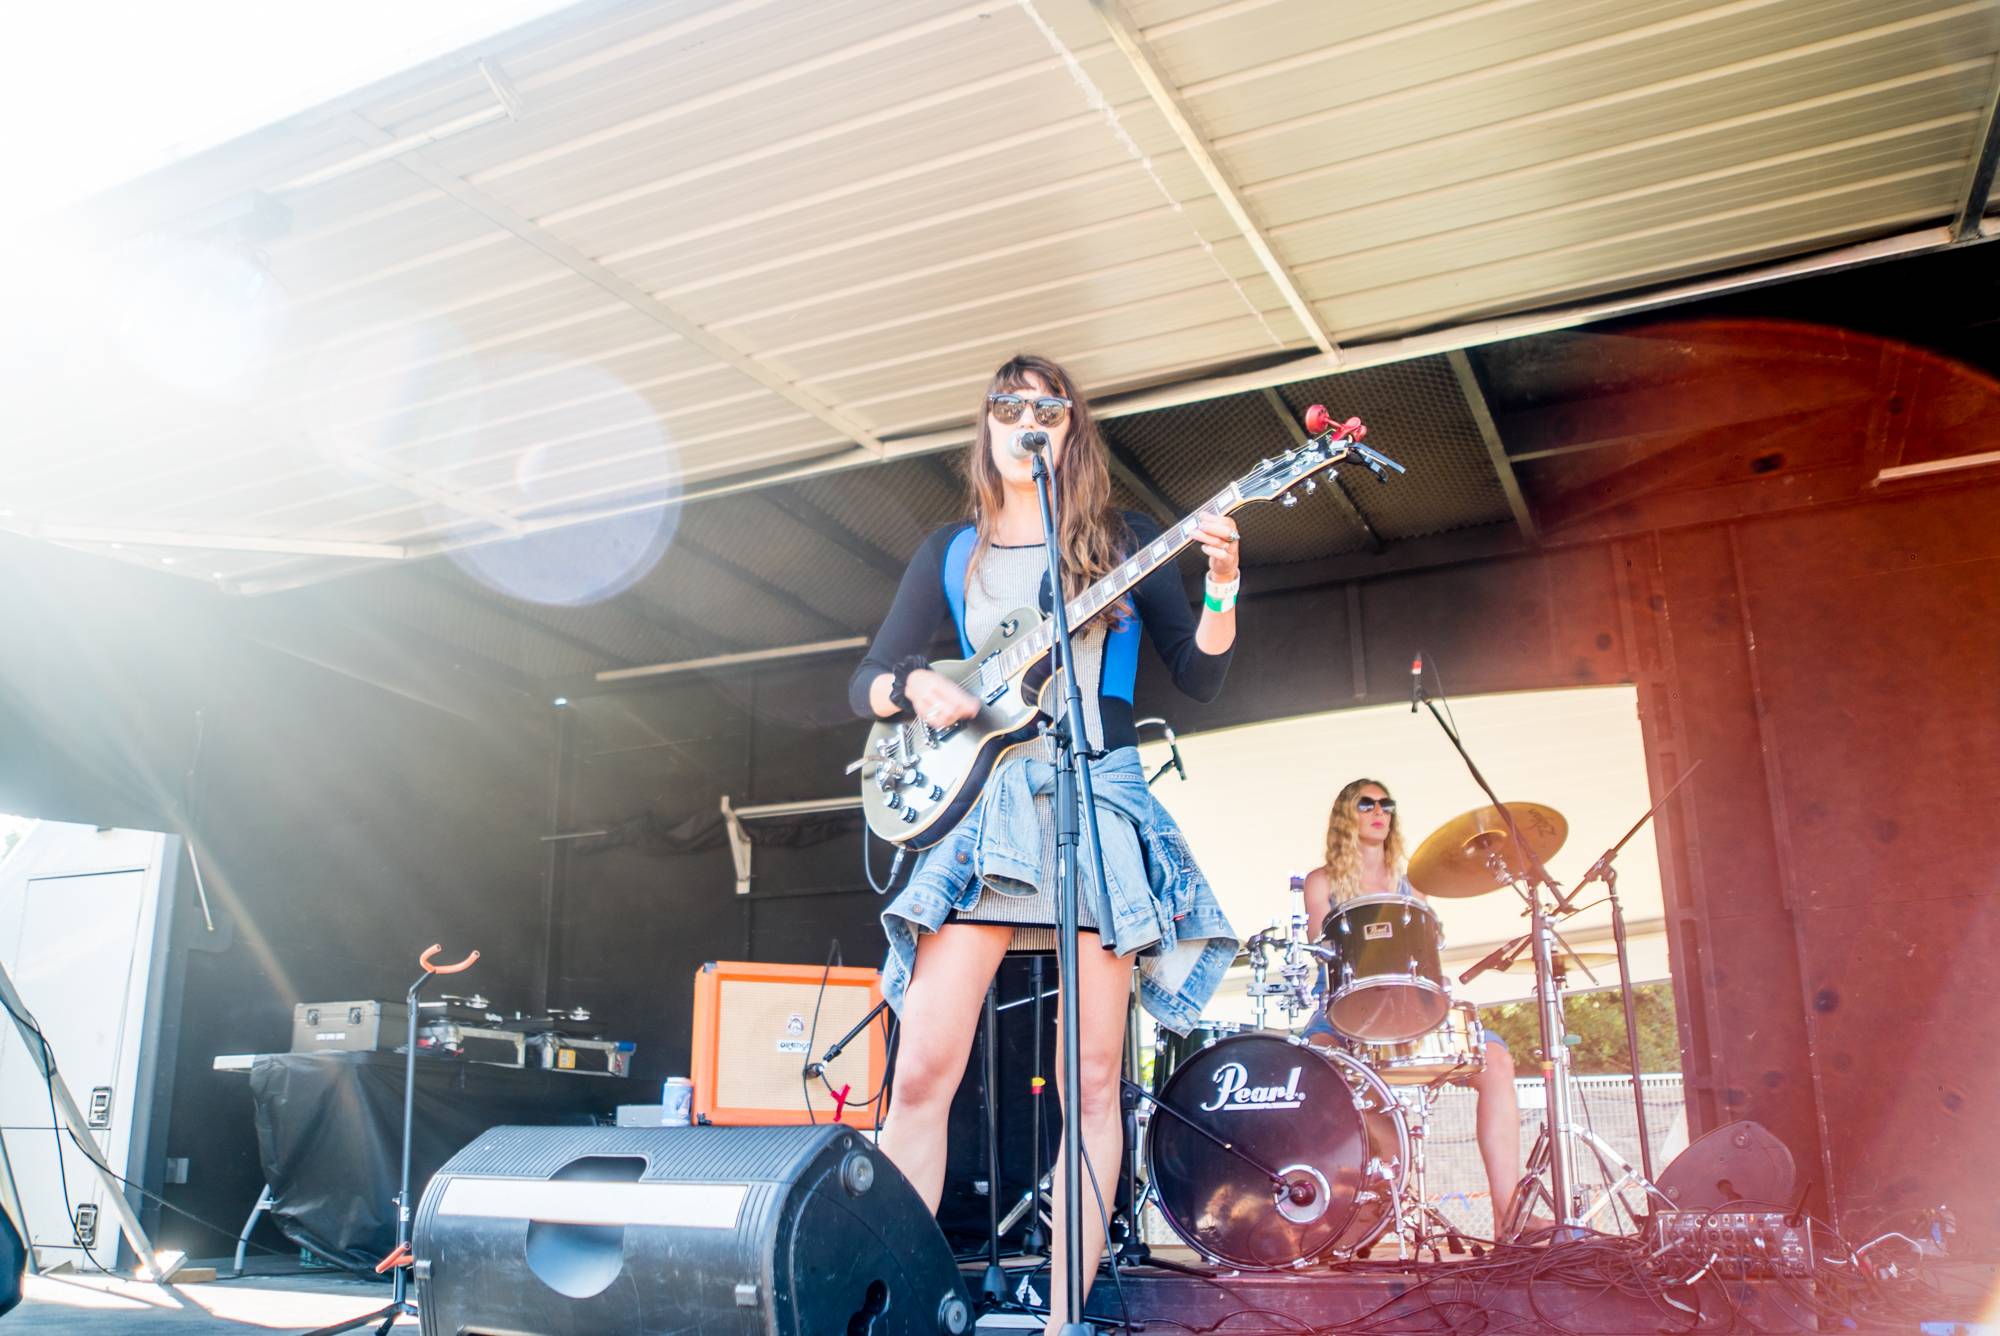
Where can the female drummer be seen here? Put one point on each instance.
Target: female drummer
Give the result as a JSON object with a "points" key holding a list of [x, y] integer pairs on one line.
{"points": [[1364, 856], [989, 886]]}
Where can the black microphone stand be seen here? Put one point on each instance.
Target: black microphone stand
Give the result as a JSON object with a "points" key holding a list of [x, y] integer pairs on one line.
{"points": [[1602, 869], [1075, 809], [400, 1260]]}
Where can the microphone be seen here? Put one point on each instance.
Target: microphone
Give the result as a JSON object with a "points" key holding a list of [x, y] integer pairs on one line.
{"points": [[1416, 682], [1491, 962], [1025, 443]]}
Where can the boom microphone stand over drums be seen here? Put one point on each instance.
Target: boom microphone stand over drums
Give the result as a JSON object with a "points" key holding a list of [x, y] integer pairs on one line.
{"points": [[1511, 856]]}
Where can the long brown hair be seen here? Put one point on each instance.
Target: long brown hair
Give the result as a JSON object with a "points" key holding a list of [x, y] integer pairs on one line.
{"points": [[1091, 533], [1343, 841]]}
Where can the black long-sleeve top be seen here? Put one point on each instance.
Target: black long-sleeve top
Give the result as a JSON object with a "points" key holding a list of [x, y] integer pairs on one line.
{"points": [[932, 596]]}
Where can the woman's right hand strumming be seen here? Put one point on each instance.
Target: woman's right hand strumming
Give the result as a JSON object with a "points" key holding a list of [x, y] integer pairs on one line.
{"points": [[937, 700]]}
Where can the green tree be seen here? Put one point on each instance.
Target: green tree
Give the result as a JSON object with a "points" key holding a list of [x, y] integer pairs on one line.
{"points": [[1598, 1020]]}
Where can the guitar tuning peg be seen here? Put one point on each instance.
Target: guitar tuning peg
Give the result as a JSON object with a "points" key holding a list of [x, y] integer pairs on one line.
{"points": [[1289, 499], [1312, 485]]}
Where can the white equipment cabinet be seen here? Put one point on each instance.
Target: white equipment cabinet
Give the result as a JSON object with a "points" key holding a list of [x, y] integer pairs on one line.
{"points": [[83, 934]]}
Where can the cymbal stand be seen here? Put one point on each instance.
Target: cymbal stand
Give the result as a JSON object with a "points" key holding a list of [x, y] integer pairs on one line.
{"points": [[1553, 1143], [1548, 1012]]}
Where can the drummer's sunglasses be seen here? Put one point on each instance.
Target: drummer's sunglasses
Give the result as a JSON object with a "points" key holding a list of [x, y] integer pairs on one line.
{"points": [[1370, 804]]}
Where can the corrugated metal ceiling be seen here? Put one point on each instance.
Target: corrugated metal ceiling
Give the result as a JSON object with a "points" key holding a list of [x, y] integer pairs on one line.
{"points": [[644, 247]]}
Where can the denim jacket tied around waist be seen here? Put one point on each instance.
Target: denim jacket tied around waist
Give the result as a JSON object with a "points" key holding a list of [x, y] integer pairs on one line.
{"points": [[1157, 904]]}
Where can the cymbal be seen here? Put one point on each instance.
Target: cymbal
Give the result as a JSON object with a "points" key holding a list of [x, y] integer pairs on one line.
{"points": [[1453, 861], [1590, 960]]}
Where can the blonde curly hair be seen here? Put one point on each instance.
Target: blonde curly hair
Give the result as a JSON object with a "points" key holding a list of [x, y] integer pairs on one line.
{"points": [[1343, 841]]}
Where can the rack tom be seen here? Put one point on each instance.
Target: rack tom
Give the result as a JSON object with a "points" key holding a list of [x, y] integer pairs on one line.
{"points": [[1385, 985]]}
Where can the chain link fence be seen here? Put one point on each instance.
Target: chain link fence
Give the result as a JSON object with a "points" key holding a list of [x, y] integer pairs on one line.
{"points": [[1455, 1175]]}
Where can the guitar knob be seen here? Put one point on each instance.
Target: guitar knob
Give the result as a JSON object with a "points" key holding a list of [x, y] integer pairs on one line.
{"points": [[894, 802], [916, 777], [910, 815], [937, 793]]}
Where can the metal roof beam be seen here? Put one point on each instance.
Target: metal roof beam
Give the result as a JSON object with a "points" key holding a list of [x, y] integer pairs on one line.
{"points": [[1126, 468], [1333, 480], [797, 508], [1985, 157], [478, 595], [1168, 101], [1496, 450], [209, 542], [776, 593], [645, 303]]}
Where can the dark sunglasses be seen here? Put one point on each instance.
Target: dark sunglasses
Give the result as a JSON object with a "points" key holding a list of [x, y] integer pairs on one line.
{"points": [[1370, 804], [1007, 408]]}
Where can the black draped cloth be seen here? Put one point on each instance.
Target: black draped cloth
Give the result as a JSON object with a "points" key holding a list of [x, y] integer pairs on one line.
{"points": [[330, 1134]]}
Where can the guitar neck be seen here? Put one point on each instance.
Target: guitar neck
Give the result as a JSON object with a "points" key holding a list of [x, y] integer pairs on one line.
{"points": [[1114, 585]]}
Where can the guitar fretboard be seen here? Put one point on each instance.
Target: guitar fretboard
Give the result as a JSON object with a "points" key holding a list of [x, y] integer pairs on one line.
{"points": [[1100, 595]]}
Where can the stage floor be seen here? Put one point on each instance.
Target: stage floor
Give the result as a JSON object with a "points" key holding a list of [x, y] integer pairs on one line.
{"points": [[90, 1305], [1384, 1301]]}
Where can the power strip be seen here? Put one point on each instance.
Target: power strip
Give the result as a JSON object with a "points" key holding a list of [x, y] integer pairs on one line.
{"points": [[1739, 1243]]}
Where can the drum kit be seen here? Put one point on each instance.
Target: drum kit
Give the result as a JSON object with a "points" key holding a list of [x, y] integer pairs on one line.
{"points": [[1283, 1145]]}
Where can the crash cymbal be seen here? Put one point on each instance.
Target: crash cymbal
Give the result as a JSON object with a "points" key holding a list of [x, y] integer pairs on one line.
{"points": [[1455, 860], [1590, 960]]}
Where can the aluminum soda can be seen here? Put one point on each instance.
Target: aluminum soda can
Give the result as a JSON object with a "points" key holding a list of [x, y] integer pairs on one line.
{"points": [[677, 1096]]}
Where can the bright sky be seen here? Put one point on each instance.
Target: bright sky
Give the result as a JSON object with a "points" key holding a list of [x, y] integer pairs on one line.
{"points": [[100, 93]]}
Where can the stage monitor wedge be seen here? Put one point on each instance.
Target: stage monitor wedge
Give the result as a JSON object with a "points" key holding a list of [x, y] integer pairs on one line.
{"points": [[779, 1231]]}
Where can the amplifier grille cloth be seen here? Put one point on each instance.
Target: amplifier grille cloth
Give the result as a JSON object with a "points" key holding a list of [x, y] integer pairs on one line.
{"points": [[766, 1034]]}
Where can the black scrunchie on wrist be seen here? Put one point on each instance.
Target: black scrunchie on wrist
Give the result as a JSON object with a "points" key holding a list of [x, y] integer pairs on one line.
{"points": [[899, 682]]}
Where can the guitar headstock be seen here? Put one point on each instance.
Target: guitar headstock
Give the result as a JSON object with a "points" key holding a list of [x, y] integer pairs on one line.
{"points": [[1330, 443]]}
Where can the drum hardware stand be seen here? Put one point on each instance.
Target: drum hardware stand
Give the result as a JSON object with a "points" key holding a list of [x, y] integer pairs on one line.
{"points": [[1616, 1168], [1034, 1242], [993, 1282], [1132, 1249], [399, 1261], [1548, 1011], [1423, 1221]]}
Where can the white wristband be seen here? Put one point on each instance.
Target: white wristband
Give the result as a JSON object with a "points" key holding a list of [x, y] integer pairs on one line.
{"points": [[1220, 597]]}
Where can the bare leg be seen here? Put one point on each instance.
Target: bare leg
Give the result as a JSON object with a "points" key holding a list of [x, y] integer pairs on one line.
{"points": [[1104, 989], [1498, 1127], [940, 1015]]}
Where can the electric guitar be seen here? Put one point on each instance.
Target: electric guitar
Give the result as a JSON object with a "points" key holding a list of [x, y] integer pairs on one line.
{"points": [[918, 781]]}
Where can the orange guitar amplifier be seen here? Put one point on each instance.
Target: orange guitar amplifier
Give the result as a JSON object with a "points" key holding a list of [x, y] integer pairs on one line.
{"points": [[754, 1031]]}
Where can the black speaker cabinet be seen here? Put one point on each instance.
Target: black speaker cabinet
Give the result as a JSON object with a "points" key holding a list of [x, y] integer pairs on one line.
{"points": [[1737, 1162], [781, 1231]]}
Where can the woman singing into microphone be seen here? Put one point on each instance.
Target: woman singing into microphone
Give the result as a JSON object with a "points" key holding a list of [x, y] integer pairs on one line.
{"points": [[990, 885]]}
